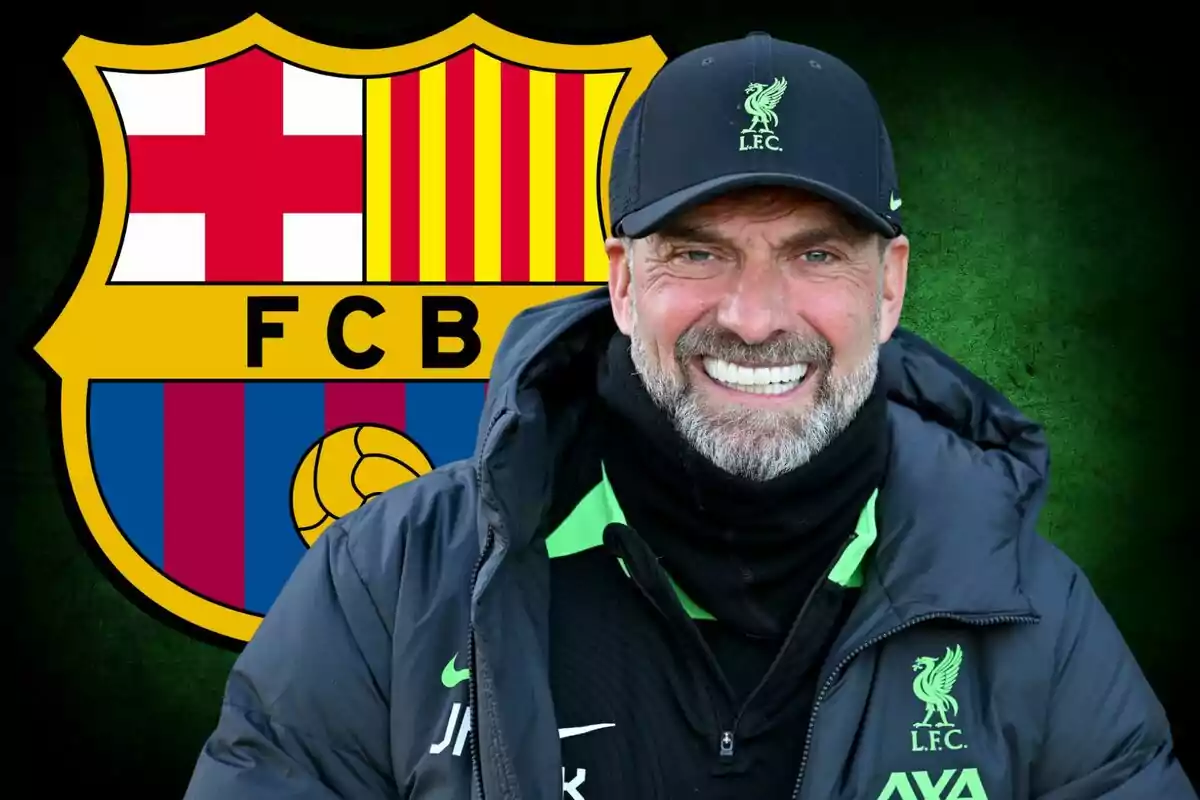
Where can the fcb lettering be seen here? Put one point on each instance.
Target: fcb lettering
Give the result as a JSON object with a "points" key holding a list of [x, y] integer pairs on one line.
{"points": [[433, 326]]}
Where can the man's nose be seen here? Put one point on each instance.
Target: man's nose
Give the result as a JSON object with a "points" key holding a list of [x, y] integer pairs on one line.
{"points": [[755, 307]]}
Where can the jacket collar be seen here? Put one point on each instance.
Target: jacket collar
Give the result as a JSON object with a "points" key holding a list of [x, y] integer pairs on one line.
{"points": [[965, 485], [584, 529]]}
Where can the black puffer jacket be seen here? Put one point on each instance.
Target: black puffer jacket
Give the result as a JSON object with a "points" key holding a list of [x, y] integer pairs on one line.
{"points": [[968, 620]]}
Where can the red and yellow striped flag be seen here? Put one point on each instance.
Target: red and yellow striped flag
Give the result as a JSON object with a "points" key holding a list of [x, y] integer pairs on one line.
{"points": [[481, 170]]}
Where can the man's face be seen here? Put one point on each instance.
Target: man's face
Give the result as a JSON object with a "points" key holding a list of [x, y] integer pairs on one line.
{"points": [[756, 321]]}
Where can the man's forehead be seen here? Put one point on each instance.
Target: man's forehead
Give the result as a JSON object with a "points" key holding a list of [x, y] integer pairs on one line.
{"points": [[794, 209]]}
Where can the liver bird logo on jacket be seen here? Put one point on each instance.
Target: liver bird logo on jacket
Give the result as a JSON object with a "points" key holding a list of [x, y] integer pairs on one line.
{"points": [[933, 684]]}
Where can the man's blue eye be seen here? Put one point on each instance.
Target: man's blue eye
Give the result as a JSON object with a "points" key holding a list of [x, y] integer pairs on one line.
{"points": [[699, 255], [822, 256]]}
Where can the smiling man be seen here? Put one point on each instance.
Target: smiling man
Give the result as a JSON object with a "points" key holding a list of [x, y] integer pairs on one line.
{"points": [[729, 530], [756, 320]]}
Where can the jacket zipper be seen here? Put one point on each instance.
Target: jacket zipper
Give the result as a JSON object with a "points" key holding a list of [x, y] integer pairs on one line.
{"points": [[696, 641], [812, 722], [476, 763], [728, 737]]}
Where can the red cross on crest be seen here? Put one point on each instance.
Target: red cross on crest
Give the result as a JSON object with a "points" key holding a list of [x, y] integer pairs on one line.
{"points": [[243, 170]]}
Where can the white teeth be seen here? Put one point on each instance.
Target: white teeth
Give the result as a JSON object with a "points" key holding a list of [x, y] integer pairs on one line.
{"points": [[757, 380]]}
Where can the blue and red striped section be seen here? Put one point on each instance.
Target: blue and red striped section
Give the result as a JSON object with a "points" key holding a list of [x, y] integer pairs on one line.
{"points": [[198, 475]]}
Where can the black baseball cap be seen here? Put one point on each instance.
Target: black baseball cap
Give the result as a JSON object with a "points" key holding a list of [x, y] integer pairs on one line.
{"points": [[757, 111]]}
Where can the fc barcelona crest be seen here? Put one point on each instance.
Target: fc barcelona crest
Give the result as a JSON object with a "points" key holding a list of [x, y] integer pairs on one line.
{"points": [[305, 259]]}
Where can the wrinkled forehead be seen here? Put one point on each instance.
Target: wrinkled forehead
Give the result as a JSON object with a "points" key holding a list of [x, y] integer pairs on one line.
{"points": [[789, 209]]}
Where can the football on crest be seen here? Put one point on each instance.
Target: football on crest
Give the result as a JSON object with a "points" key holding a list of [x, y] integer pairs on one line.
{"points": [[345, 469]]}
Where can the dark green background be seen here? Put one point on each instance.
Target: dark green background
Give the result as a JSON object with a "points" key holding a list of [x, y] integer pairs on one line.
{"points": [[1046, 175]]}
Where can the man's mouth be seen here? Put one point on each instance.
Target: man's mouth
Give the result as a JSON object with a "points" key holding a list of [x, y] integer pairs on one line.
{"points": [[755, 380]]}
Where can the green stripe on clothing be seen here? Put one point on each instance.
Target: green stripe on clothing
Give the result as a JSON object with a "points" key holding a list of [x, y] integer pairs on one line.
{"points": [[583, 530]]}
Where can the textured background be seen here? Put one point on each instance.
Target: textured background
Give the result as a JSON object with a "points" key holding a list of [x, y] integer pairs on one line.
{"points": [[1046, 178]]}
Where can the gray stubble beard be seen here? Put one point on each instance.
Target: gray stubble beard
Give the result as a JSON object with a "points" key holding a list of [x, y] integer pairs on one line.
{"points": [[749, 442]]}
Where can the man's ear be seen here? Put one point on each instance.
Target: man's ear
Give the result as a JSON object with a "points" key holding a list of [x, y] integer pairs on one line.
{"points": [[620, 265], [895, 282]]}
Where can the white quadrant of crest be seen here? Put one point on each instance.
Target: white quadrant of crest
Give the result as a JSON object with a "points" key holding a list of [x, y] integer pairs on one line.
{"points": [[323, 247], [161, 248], [159, 103], [315, 104]]}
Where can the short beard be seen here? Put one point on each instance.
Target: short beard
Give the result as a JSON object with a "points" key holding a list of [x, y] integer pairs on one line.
{"points": [[747, 442]]}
